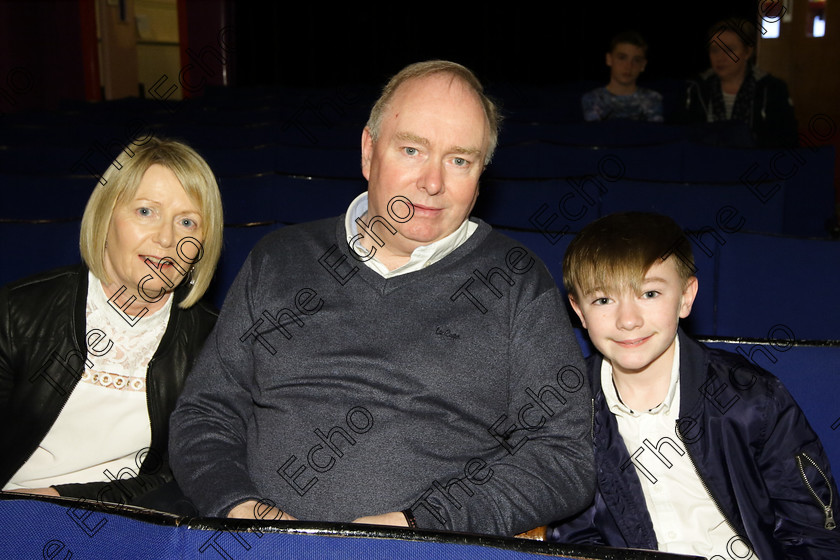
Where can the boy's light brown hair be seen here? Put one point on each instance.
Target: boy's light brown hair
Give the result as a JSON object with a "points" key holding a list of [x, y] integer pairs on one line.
{"points": [[616, 251]]}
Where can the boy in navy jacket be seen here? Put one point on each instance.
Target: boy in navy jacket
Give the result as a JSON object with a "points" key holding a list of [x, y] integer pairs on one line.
{"points": [[698, 451]]}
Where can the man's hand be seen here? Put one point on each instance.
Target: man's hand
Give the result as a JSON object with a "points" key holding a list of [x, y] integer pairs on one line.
{"points": [[39, 491], [395, 519], [253, 509]]}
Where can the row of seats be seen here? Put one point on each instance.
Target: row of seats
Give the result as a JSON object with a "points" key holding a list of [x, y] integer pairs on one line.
{"points": [[769, 206], [542, 152], [333, 116], [61, 528], [547, 180], [285, 199], [797, 183], [519, 102], [277, 127], [539, 205], [681, 162], [567, 204], [315, 132], [750, 284]]}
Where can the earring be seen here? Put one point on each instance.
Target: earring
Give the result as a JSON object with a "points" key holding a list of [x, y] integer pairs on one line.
{"points": [[192, 278]]}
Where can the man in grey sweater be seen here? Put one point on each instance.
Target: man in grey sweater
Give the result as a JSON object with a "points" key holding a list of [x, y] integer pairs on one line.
{"points": [[401, 365]]}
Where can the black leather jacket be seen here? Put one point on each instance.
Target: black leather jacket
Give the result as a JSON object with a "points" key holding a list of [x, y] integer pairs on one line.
{"points": [[42, 353]]}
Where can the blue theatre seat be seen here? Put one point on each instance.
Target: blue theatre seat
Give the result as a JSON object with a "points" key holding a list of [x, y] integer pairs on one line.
{"points": [[44, 197], [808, 173], [31, 247], [702, 320], [212, 137], [586, 347], [320, 134], [607, 134], [554, 205], [696, 206], [537, 124], [226, 162], [549, 248], [237, 244], [17, 131], [553, 160], [810, 372], [766, 280], [76, 133], [544, 104], [319, 161], [52, 160], [286, 199], [64, 528], [226, 98]]}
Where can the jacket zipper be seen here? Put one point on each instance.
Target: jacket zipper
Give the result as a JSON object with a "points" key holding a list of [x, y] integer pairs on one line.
{"points": [[712, 496], [827, 511]]}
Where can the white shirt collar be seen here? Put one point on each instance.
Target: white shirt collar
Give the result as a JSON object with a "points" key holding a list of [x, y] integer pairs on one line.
{"points": [[614, 400], [421, 257]]}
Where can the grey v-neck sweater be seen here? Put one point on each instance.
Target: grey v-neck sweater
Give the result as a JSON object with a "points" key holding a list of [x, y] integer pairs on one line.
{"points": [[456, 391]]}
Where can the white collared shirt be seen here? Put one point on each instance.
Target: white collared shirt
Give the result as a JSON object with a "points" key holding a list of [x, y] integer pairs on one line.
{"points": [[421, 257], [684, 515]]}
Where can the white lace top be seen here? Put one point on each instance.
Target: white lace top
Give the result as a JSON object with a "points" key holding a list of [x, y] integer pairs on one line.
{"points": [[105, 422]]}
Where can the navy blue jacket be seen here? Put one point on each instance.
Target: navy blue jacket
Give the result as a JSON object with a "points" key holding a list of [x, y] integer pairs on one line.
{"points": [[752, 446]]}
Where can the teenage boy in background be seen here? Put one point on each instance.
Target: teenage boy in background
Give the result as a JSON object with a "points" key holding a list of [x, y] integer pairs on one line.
{"points": [[697, 450], [622, 98]]}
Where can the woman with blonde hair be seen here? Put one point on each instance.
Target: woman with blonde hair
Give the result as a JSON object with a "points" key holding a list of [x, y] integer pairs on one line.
{"points": [[94, 356]]}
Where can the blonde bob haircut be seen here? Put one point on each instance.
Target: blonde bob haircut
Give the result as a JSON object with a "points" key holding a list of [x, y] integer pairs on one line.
{"points": [[428, 68], [119, 184], [615, 252]]}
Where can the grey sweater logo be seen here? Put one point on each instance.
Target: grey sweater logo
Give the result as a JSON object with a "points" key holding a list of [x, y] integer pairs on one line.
{"points": [[446, 333]]}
